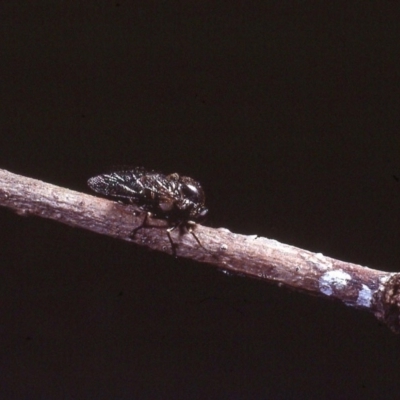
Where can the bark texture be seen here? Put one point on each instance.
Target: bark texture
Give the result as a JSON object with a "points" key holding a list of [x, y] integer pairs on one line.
{"points": [[253, 256]]}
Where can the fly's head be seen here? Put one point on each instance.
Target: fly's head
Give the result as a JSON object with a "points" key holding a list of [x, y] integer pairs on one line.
{"points": [[191, 199]]}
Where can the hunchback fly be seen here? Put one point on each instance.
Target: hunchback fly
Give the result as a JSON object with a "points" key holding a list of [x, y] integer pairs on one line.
{"points": [[177, 199]]}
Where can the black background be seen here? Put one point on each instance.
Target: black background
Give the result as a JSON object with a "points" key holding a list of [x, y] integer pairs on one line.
{"points": [[287, 112]]}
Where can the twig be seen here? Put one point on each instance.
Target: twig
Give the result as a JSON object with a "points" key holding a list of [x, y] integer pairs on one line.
{"points": [[253, 256]]}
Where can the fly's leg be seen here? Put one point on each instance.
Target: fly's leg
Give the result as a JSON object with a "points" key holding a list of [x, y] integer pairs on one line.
{"points": [[144, 222], [197, 240], [190, 226], [189, 229], [173, 245]]}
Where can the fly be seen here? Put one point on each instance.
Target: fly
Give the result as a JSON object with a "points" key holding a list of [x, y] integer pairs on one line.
{"points": [[177, 199]]}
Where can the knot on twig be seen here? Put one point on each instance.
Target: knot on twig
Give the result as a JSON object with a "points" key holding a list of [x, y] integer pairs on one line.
{"points": [[391, 303]]}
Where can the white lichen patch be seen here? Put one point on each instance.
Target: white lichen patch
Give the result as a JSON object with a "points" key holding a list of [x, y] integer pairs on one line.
{"points": [[333, 280], [364, 297], [319, 261]]}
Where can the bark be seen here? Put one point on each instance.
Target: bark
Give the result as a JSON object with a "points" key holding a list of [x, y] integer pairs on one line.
{"points": [[253, 256]]}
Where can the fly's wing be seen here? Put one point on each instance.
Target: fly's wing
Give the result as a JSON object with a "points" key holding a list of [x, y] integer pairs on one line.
{"points": [[159, 193], [161, 187], [121, 184]]}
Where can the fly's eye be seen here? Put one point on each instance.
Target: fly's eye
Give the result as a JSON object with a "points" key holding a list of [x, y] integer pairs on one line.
{"points": [[191, 192]]}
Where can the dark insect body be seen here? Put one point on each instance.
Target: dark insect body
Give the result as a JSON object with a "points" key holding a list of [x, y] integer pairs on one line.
{"points": [[177, 199]]}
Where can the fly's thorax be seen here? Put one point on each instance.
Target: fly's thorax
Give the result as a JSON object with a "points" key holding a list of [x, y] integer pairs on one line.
{"points": [[173, 177]]}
